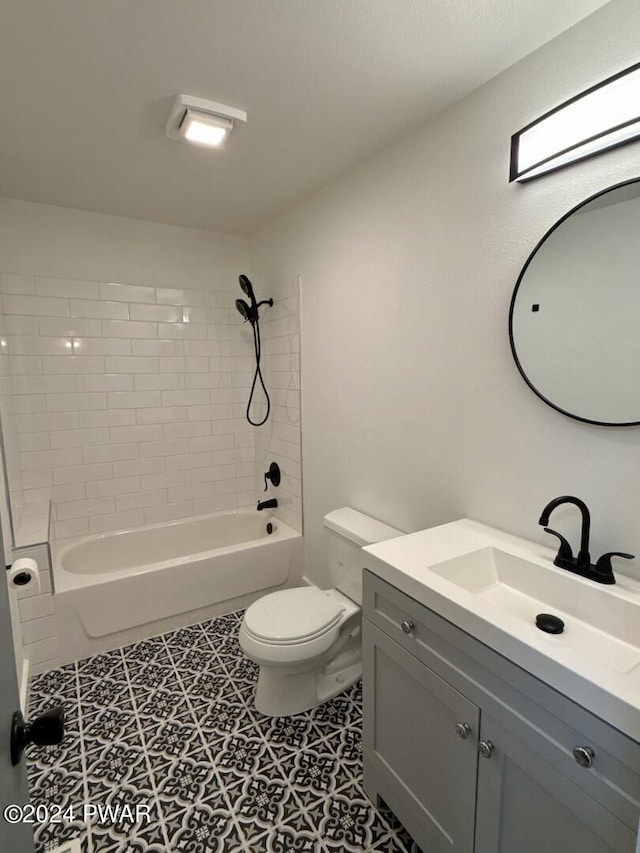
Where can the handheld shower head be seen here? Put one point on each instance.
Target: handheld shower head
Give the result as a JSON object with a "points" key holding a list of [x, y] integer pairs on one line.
{"points": [[251, 314], [247, 288], [247, 311]]}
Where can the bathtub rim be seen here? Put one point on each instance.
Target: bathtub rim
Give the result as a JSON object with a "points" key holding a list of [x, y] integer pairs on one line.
{"points": [[68, 581]]}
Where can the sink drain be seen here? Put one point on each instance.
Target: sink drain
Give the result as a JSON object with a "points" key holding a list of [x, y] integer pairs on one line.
{"points": [[549, 624]]}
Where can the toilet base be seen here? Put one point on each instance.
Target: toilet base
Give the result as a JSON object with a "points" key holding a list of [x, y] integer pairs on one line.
{"points": [[281, 693]]}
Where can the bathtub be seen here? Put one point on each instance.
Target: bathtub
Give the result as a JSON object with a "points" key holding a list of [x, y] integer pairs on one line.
{"points": [[117, 588]]}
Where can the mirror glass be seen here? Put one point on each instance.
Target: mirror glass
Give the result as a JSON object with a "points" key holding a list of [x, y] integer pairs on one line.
{"points": [[574, 322]]}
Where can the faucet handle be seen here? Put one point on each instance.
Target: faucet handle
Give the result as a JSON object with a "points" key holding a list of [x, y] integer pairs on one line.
{"points": [[272, 474], [564, 551], [603, 566]]}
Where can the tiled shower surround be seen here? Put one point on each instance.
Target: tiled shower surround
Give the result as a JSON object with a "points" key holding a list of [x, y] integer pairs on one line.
{"points": [[127, 401], [168, 723]]}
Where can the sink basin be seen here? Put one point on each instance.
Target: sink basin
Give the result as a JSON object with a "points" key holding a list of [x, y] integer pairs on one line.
{"points": [[603, 628], [493, 585]]}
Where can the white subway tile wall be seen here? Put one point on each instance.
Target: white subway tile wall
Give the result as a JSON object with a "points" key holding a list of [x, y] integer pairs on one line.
{"points": [[128, 401], [37, 627]]}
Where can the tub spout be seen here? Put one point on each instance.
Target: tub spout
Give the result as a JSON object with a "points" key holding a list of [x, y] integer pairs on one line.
{"points": [[272, 503]]}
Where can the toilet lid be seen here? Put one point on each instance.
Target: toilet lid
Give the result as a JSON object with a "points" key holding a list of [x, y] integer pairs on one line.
{"points": [[292, 615]]}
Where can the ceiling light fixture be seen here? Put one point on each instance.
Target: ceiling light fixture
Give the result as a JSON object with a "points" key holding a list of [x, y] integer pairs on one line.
{"points": [[605, 116], [202, 122]]}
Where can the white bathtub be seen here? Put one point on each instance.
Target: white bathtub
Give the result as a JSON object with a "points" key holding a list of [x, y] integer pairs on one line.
{"points": [[117, 588]]}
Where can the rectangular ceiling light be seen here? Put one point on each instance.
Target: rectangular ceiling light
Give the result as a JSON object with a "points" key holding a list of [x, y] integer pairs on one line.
{"points": [[605, 116], [202, 122], [205, 129]]}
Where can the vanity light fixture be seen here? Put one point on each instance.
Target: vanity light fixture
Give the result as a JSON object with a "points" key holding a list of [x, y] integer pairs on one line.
{"points": [[605, 116], [202, 122]]}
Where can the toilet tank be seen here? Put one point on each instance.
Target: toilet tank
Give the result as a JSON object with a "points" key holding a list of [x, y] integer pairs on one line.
{"points": [[346, 531]]}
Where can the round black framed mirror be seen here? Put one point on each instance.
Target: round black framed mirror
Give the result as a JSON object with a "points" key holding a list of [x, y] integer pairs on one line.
{"points": [[574, 320]]}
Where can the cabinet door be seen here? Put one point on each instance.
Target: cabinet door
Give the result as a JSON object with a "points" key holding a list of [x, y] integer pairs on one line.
{"points": [[526, 805], [413, 757]]}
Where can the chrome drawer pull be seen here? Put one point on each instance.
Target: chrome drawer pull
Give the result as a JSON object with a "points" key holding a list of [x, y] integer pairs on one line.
{"points": [[463, 730], [485, 748], [583, 755], [407, 627]]}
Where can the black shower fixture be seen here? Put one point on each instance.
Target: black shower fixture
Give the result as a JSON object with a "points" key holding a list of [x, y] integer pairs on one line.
{"points": [[247, 287], [246, 311], [250, 314]]}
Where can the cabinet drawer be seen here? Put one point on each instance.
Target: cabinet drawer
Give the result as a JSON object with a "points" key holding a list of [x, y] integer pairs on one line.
{"points": [[515, 699]]}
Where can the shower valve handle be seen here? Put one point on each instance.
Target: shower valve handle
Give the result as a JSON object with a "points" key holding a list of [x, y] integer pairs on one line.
{"points": [[272, 474]]}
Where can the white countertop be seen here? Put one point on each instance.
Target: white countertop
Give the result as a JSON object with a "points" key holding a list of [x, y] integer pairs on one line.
{"points": [[609, 692]]}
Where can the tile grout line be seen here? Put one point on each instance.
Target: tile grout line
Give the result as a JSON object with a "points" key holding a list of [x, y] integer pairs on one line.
{"points": [[145, 751]]}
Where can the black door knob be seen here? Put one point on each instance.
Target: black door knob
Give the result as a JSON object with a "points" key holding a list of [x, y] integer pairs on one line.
{"points": [[45, 730]]}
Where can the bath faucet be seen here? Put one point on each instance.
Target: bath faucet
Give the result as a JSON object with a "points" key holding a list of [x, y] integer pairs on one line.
{"points": [[580, 565], [584, 558], [272, 503]]}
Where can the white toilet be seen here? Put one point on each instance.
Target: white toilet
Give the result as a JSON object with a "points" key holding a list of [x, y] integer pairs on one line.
{"points": [[307, 640]]}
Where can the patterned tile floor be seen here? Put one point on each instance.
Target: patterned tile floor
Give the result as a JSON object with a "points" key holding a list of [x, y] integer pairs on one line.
{"points": [[167, 725]]}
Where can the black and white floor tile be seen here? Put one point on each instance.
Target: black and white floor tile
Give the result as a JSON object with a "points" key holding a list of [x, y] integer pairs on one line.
{"points": [[165, 747]]}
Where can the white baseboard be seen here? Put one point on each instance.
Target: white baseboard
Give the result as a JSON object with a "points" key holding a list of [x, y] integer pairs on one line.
{"points": [[23, 679]]}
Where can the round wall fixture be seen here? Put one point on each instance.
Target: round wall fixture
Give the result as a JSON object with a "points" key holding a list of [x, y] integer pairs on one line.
{"points": [[573, 323]]}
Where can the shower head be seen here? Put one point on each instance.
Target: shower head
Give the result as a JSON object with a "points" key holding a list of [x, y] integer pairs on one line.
{"points": [[250, 311], [247, 288], [247, 311]]}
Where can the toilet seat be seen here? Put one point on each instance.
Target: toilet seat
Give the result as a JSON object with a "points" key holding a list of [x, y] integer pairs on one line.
{"points": [[292, 616], [292, 626]]}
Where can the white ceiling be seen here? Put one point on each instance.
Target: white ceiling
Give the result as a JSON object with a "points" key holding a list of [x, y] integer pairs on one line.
{"points": [[87, 85]]}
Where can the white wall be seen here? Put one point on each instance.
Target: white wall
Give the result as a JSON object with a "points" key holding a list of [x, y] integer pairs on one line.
{"points": [[413, 409], [144, 421]]}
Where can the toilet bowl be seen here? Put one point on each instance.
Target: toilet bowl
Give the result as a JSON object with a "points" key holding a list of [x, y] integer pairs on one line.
{"points": [[307, 641]]}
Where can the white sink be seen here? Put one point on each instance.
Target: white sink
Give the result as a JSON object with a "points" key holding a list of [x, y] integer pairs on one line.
{"points": [[603, 628], [493, 585]]}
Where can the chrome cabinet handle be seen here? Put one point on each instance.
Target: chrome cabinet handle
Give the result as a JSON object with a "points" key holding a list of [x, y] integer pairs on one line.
{"points": [[407, 627], [463, 730], [485, 748], [584, 755]]}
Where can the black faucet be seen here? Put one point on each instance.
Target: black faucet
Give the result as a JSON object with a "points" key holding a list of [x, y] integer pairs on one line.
{"points": [[580, 565], [272, 503]]}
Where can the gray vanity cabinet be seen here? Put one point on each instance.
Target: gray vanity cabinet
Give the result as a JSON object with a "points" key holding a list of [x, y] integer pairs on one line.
{"points": [[473, 754]]}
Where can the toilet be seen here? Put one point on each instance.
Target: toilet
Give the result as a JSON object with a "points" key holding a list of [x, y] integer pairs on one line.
{"points": [[307, 641]]}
